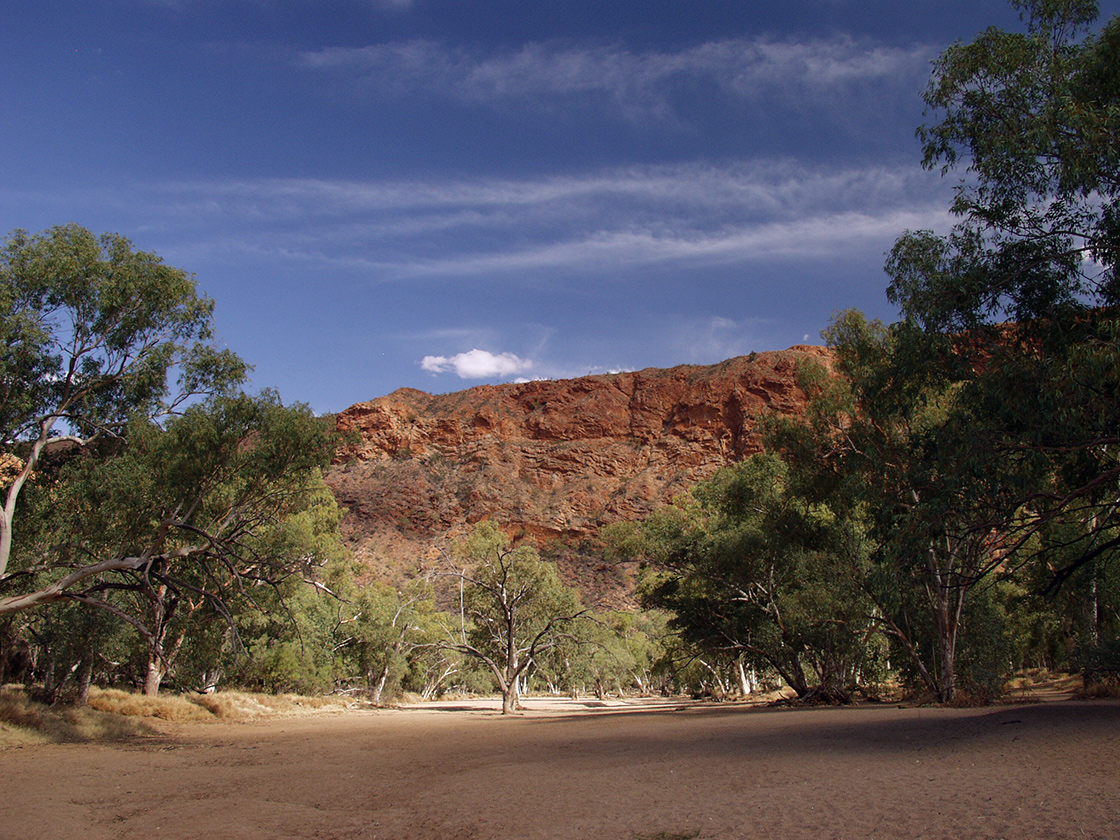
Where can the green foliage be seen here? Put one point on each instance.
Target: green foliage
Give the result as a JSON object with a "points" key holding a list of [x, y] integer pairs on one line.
{"points": [[614, 652], [986, 655], [390, 641], [1031, 433], [514, 608], [913, 455], [290, 641], [93, 330], [751, 566], [1035, 117], [147, 486]]}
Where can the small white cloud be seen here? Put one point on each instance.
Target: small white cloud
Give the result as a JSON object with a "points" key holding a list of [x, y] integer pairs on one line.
{"points": [[477, 364]]}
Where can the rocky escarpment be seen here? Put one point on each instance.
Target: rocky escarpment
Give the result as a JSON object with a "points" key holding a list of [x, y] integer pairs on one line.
{"points": [[552, 461]]}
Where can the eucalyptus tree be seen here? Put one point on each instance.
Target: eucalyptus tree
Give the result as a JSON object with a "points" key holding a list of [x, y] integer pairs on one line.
{"points": [[390, 636], [141, 481], [752, 569], [92, 332], [890, 439], [1032, 119], [197, 515], [512, 607]]}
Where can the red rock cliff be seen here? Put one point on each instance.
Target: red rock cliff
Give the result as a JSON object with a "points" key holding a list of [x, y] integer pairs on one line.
{"points": [[552, 460]]}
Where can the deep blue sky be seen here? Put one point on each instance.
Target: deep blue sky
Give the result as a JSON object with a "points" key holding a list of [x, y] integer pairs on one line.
{"points": [[441, 193]]}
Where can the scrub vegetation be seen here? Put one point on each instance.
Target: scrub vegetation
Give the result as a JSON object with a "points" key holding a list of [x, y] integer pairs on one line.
{"points": [[945, 515]]}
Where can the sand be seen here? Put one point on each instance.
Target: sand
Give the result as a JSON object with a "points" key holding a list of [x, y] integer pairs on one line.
{"points": [[615, 771]]}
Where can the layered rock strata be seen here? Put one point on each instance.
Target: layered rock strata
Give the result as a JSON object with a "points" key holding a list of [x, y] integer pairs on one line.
{"points": [[552, 461]]}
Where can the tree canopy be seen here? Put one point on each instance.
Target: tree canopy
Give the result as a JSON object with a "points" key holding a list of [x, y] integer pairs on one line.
{"points": [[513, 607], [980, 433], [1024, 289], [752, 567], [142, 482], [94, 332]]}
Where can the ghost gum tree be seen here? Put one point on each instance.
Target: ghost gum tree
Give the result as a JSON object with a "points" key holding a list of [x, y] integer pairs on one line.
{"points": [[1032, 119], [513, 607], [92, 330], [172, 488]]}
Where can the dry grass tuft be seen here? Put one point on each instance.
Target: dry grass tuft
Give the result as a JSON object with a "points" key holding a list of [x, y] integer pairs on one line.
{"points": [[1042, 684], [17, 709], [170, 707], [242, 705], [113, 714], [963, 698], [223, 705], [26, 721], [1101, 689]]}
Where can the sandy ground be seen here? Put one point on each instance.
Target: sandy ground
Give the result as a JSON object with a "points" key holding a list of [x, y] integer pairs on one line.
{"points": [[616, 771]]}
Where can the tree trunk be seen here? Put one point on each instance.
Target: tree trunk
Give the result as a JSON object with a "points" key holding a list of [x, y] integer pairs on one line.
{"points": [[793, 674], [947, 593], [50, 679], [745, 687], [948, 682], [950, 605], [510, 700], [377, 687], [1090, 637], [85, 676], [154, 676]]}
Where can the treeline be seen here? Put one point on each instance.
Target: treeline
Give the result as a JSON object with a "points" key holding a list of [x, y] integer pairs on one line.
{"points": [[947, 512], [890, 539], [162, 526], [323, 632]]}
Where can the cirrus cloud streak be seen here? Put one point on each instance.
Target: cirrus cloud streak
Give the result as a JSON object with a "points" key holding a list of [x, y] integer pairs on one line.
{"points": [[643, 81], [590, 223]]}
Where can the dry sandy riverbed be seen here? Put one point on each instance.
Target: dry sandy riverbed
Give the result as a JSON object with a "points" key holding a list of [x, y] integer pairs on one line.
{"points": [[619, 771]]}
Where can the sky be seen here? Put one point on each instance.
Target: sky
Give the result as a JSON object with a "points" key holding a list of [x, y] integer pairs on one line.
{"points": [[438, 194]]}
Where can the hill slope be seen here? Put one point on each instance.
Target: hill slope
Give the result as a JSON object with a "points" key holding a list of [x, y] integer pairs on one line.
{"points": [[552, 461]]}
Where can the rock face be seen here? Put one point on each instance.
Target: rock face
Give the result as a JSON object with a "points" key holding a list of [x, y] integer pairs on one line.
{"points": [[552, 461]]}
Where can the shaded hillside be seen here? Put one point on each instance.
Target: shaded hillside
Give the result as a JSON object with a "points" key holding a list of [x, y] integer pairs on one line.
{"points": [[552, 461]]}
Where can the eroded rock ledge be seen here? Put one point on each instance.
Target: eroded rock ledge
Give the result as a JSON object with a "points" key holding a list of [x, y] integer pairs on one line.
{"points": [[550, 460]]}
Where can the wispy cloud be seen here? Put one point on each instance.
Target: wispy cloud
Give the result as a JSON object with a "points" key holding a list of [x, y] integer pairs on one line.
{"points": [[498, 230], [673, 215], [702, 339], [835, 235], [640, 81]]}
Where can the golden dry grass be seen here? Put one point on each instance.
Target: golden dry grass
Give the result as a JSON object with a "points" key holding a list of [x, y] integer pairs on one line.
{"points": [[113, 714], [23, 720], [170, 707], [243, 705], [1107, 688]]}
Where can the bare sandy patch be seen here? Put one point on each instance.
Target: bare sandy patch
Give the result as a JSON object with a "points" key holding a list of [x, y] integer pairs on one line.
{"points": [[620, 770]]}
